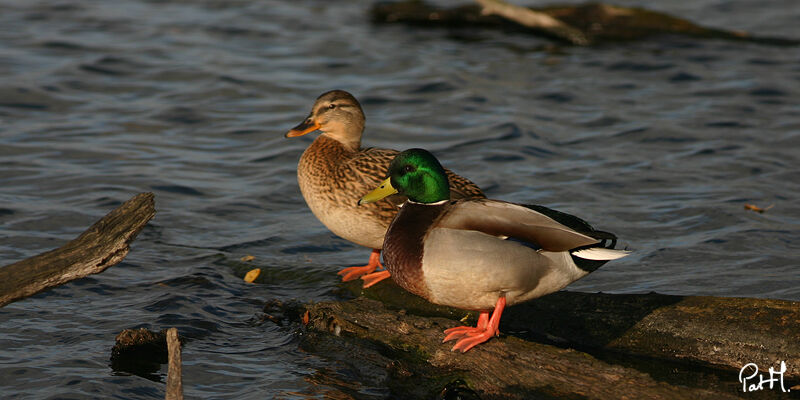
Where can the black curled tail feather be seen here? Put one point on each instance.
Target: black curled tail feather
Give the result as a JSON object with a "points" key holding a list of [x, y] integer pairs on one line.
{"points": [[607, 240]]}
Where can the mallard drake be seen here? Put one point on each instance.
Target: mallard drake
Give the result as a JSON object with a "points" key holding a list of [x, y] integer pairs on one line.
{"points": [[334, 170], [480, 254]]}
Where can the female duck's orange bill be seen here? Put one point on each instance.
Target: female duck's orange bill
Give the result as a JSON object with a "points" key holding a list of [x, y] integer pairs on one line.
{"points": [[309, 125]]}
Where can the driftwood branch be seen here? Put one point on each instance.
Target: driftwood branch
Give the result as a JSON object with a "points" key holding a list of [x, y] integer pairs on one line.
{"points": [[174, 382], [534, 20], [580, 24], [507, 367], [104, 244]]}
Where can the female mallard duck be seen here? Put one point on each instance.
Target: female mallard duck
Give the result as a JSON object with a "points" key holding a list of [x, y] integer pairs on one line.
{"points": [[335, 169], [480, 254]]}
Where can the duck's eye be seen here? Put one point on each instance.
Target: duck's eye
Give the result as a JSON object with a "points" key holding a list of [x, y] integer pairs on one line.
{"points": [[331, 106], [408, 168]]}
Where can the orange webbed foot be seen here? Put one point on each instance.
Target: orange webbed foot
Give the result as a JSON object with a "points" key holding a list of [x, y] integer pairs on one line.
{"points": [[375, 277], [487, 328], [469, 342], [351, 273], [460, 331]]}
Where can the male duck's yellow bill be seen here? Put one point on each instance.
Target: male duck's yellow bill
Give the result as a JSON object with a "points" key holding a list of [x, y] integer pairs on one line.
{"points": [[384, 190], [306, 126]]}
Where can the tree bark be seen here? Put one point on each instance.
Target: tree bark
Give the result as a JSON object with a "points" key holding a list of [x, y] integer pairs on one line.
{"points": [[410, 347], [104, 244]]}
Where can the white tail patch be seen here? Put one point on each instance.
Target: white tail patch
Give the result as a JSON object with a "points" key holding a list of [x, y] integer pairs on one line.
{"points": [[600, 254]]}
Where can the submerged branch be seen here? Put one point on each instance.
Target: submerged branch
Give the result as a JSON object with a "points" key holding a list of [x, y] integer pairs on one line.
{"points": [[174, 381]]}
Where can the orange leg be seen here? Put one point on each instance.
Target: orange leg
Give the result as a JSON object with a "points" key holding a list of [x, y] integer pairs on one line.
{"points": [[487, 328], [348, 274]]}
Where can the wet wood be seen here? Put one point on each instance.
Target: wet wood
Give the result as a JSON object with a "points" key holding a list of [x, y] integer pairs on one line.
{"points": [[142, 352], [104, 244], [718, 332], [364, 333], [139, 351], [174, 381], [582, 24]]}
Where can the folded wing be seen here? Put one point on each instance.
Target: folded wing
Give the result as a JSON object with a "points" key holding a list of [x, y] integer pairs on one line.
{"points": [[499, 218]]}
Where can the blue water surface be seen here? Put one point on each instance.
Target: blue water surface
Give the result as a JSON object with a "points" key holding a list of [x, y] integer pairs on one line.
{"points": [[661, 141]]}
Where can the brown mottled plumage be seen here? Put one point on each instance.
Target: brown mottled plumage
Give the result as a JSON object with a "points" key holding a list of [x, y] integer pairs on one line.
{"points": [[335, 171]]}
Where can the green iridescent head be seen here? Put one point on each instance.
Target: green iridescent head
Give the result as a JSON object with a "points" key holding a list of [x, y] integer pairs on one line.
{"points": [[417, 174]]}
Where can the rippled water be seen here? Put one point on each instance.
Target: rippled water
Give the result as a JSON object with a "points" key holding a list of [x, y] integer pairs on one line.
{"points": [[662, 142]]}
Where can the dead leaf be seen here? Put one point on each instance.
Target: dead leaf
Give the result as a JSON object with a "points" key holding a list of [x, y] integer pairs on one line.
{"points": [[251, 276], [248, 258], [305, 318], [756, 208]]}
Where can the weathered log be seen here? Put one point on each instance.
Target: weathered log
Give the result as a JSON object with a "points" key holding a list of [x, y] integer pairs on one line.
{"points": [[104, 244], [174, 381], [596, 22], [409, 347], [718, 332]]}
